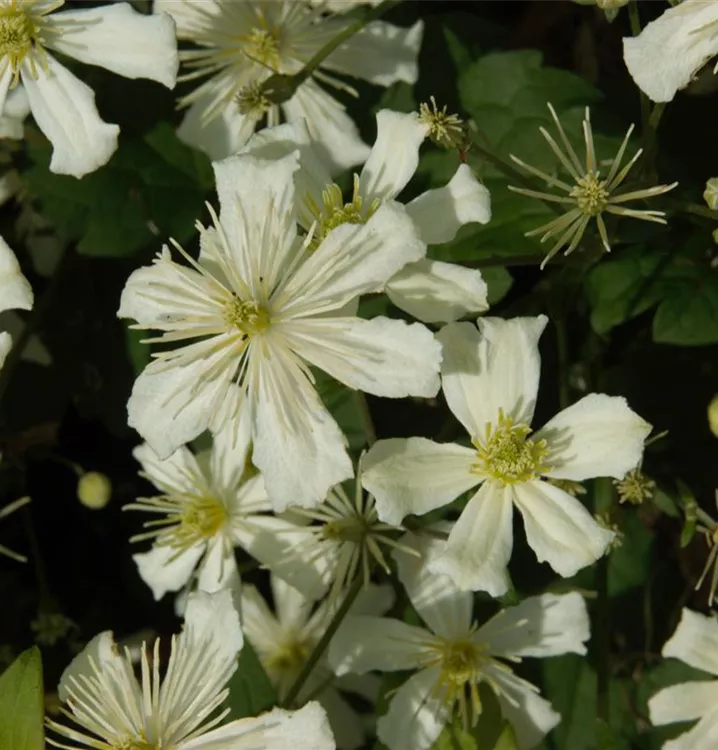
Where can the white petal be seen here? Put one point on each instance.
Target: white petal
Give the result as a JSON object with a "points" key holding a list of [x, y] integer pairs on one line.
{"points": [[119, 39], [598, 436], [218, 569], [292, 608], [496, 368], [365, 644], [337, 138], [415, 476], [186, 13], [354, 259], [347, 725], [416, 716], [685, 702], [384, 357], [15, 290], [163, 569], [695, 641], [394, 156], [380, 53], [176, 474], [277, 729], [297, 444], [441, 212], [479, 546], [437, 292], [703, 736], [664, 56], [230, 450], [443, 607], [212, 625], [16, 109], [531, 716], [5, 346], [546, 625], [6, 79], [558, 528], [64, 109], [259, 623]]}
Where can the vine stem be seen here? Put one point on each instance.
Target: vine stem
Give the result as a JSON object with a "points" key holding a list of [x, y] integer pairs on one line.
{"points": [[323, 642]]}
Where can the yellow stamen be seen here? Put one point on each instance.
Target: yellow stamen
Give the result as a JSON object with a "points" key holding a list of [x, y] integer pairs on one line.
{"points": [[248, 317]]}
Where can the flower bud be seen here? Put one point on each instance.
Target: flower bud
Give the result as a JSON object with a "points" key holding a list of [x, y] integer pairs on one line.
{"points": [[94, 490], [710, 194], [713, 415]]}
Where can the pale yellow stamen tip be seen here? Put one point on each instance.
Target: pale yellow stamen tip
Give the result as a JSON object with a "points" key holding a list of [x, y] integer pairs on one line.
{"points": [[17, 36], [634, 488], [201, 519], [446, 130], [590, 194], [262, 45], [247, 317]]}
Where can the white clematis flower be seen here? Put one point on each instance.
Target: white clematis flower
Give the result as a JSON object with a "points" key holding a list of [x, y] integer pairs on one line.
{"points": [[453, 656], [257, 310], [285, 640], [114, 37], [490, 379], [695, 642], [430, 290], [211, 505], [664, 57], [242, 43], [15, 292], [113, 709]]}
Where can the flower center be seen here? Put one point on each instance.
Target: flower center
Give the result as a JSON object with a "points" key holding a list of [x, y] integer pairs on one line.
{"points": [[247, 317], [446, 130], [202, 518], [17, 35], [353, 529], [136, 744], [262, 45], [590, 194], [506, 455], [289, 657]]}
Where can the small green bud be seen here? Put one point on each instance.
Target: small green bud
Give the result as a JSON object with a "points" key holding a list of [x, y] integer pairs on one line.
{"points": [[710, 194], [279, 88], [713, 415], [94, 490]]}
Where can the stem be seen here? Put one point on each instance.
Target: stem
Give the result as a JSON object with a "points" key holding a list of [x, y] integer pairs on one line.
{"points": [[564, 398], [603, 500], [321, 646], [366, 419], [44, 596]]}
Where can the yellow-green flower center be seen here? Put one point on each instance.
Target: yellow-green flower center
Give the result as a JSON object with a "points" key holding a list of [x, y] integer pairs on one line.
{"points": [[505, 454], [352, 529], [445, 130], [17, 35], [247, 317], [136, 744], [262, 45], [200, 518], [590, 194], [289, 657]]}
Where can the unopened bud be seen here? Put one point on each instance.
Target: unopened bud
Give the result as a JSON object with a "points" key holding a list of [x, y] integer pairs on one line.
{"points": [[713, 415], [710, 194], [279, 88], [94, 490]]}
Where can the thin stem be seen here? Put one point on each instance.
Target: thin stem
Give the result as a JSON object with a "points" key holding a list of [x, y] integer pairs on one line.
{"points": [[44, 596], [562, 347], [603, 500], [323, 643]]}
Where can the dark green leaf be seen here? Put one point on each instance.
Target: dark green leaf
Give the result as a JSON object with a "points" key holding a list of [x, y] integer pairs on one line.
{"points": [[688, 314], [250, 691]]}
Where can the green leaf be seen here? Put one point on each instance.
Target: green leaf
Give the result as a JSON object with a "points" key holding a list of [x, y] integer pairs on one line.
{"points": [[250, 691], [345, 406], [499, 282], [687, 501], [455, 738], [22, 703], [629, 565]]}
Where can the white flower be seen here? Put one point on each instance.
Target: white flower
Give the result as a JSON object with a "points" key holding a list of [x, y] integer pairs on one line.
{"points": [[284, 641], [114, 37], [6, 511], [490, 380], [454, 656], [113, 709], [258, 309], [430, 290], [664, 57], [241, 44], [16, 109], [15, 292], [210, 506], [695, 643]]}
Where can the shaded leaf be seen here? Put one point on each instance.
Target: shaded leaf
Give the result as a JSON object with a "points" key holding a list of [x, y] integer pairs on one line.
{"points": [[250, 691], [22, 703]]}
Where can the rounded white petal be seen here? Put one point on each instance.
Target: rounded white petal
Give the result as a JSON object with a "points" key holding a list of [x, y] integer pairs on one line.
{"points": [[415, 476], [365, 644], [558, 528], [546, 625], [445, 608], [166, 569], [64, 109], [394, 156], [384, 357], [685, 702], [703, 736], [441, 212], [119, 39], [479, 546], [15, 290], [336, 136], [598, 436], [437, 292], [416, 716], [492, 369], [695, 641], [176, 474], [380, 53], [211, 624], [664, 56]]}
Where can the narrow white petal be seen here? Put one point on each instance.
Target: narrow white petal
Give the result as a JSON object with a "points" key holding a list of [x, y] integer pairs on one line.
{"points": [[5, 346], [384, 357], [218, 569], [546, 625], [15, 290], [6, 79], [119, 39], [394, 156], [664, 57], [297, 444], [416, 716], [380, 53], [337, 138], [365, 644], [695, 641], [16, 109], [558, 528], [441, 212], [166, 569], [259, 623], [177, 473], [492, 369], [291, 606], [64, 109], [685, 702], [479, 546], [437, 292], [445, 608], [230, 451], [415, 476], [598, 436]]}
